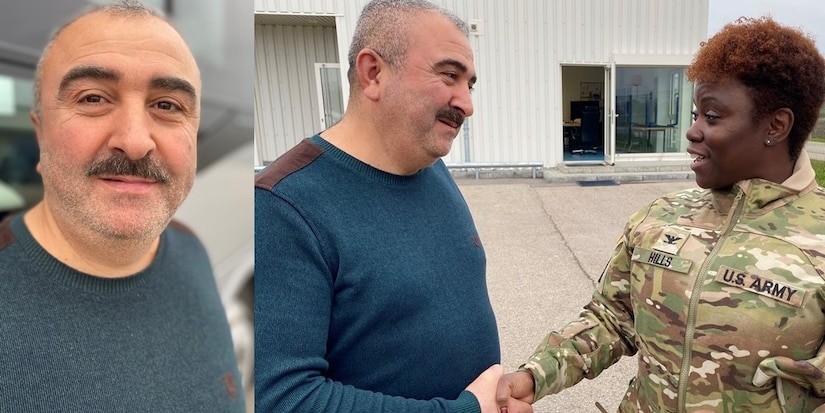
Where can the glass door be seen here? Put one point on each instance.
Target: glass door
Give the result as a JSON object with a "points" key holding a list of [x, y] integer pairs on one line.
{"points": [[585, 128], [330, 94], [608, 113]]}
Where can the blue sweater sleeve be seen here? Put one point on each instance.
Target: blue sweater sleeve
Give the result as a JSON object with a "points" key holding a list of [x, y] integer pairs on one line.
{"points": [[293, 303]]}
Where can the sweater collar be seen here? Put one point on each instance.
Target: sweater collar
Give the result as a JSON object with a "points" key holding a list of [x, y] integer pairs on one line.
{"points": [[365, 169], [47, 265]]}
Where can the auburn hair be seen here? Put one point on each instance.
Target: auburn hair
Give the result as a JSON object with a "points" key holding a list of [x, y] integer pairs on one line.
{"points": [[779, 64]]}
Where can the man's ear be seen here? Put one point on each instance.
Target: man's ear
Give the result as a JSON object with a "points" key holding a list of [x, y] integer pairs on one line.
{"points": [[780, 125], [37, 131], [369, 71]]}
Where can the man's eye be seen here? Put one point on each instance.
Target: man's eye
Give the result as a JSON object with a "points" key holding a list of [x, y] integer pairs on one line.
{"points": [[92, 99], [167, 106]]}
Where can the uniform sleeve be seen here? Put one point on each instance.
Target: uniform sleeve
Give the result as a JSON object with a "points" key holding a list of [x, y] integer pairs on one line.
{"points": [[801, 383], [602, 334], [293, 302]]}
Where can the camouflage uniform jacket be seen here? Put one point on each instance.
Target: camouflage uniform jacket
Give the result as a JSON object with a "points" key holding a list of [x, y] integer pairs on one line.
{"points": [[721, 294]]}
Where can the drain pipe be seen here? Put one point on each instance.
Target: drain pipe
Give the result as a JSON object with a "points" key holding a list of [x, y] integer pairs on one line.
{"points": [[466, 141]]}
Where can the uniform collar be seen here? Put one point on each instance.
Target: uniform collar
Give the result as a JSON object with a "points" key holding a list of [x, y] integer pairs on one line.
{"points": [[761, 195]]}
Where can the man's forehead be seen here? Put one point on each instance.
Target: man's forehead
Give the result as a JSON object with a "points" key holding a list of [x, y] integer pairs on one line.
{"points": [[89, 24], [436, 32], [450, 53], [92, 35], [102, 26]]}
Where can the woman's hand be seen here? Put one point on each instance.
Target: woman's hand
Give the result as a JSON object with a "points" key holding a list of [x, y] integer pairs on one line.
{"points": [[515, 392]]}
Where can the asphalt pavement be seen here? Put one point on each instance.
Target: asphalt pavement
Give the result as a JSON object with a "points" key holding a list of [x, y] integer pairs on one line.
{"points": [[546, 246]]}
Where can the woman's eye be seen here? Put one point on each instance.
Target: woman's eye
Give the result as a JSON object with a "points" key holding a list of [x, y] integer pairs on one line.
{"points": [[709, 116]]}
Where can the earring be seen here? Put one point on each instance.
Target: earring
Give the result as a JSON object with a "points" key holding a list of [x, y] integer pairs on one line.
{"points": [[768, 141]]}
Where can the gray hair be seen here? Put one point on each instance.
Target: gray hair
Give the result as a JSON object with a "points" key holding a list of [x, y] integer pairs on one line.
{"points": [[123, 8], [383, 27]]}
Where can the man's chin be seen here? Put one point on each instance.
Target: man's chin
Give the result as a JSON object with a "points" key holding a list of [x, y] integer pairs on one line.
{"points": [[442, 150], [119, 230], [132, 224]]}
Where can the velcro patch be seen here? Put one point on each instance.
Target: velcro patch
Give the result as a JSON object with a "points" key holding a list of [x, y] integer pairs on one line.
{"points": [[776, 290], [660, 259], [671, 240]]}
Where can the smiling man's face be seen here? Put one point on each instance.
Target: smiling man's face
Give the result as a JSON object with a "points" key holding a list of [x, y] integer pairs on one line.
{"points": [[427, 99], [118, 124]]}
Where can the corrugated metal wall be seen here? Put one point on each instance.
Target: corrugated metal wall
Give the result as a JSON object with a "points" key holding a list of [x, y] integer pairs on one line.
{"points": [[519, 51], [297, 6], [286, 106]]}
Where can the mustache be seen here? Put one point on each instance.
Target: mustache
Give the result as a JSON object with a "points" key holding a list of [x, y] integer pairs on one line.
{"points": [[451, 115], [120, 164]]}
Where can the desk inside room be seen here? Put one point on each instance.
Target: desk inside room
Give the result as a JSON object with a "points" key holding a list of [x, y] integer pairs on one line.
{"points": [[571, 130], [649, 132]]}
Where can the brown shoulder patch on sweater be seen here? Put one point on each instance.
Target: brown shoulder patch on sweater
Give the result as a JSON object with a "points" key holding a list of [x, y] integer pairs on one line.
{"points": [[180, 226], [292, 161], [6, 236]]}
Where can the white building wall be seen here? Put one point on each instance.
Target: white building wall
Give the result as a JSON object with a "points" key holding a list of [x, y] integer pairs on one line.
{"points": [[286, 106], [519, 51], [297, 6]]}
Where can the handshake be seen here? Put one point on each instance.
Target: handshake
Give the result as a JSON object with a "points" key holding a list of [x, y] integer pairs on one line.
{"points": [[503, 393]]}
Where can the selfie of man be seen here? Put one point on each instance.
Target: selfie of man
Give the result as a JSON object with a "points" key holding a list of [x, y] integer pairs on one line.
{"points": [[115, 294]]}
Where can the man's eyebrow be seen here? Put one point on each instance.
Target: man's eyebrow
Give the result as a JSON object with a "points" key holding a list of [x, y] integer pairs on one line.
{"points": [[87, 72], [458, 65], [172, 84], [101, 73]]}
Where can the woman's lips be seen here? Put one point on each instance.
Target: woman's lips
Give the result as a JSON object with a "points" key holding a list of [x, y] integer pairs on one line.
{"points": [[698, 161]]}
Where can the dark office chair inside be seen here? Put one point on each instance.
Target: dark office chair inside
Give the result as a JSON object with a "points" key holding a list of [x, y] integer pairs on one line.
{"points": [[588, 140]]}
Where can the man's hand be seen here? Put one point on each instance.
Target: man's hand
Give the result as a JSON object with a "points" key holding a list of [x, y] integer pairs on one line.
{"points": [[484, 388], [515, 390]]}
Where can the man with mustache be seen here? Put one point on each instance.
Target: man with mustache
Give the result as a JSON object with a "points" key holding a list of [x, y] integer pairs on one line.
{"points": [[370, 289], [105, 305]]}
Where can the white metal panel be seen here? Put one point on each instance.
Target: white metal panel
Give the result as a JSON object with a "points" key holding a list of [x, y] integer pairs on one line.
{"points": [[285, 105], [297, 6], [516, 80], [519, 53], [592, 30], [348, 16], [524, 42]]}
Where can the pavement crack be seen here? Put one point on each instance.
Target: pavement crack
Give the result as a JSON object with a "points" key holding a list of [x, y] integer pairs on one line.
{"points": [[565, 241]]}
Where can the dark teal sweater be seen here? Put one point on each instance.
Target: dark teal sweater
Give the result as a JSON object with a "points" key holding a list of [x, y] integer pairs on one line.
{"points": [[156, 341], [370, 289]]}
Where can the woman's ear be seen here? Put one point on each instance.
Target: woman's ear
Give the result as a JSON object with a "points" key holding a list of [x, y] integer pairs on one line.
{"points": [[779, 127], [369, 69]]}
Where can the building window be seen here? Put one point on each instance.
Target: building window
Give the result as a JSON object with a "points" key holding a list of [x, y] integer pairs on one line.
{"points": [[653, 109], [20, 184]]}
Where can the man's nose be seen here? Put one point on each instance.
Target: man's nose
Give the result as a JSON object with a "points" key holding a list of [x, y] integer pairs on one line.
{"points": [[463, 101], [132, 133]]}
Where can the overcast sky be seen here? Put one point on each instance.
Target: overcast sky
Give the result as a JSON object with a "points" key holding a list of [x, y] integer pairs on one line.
{"points": [[809, 15]]}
